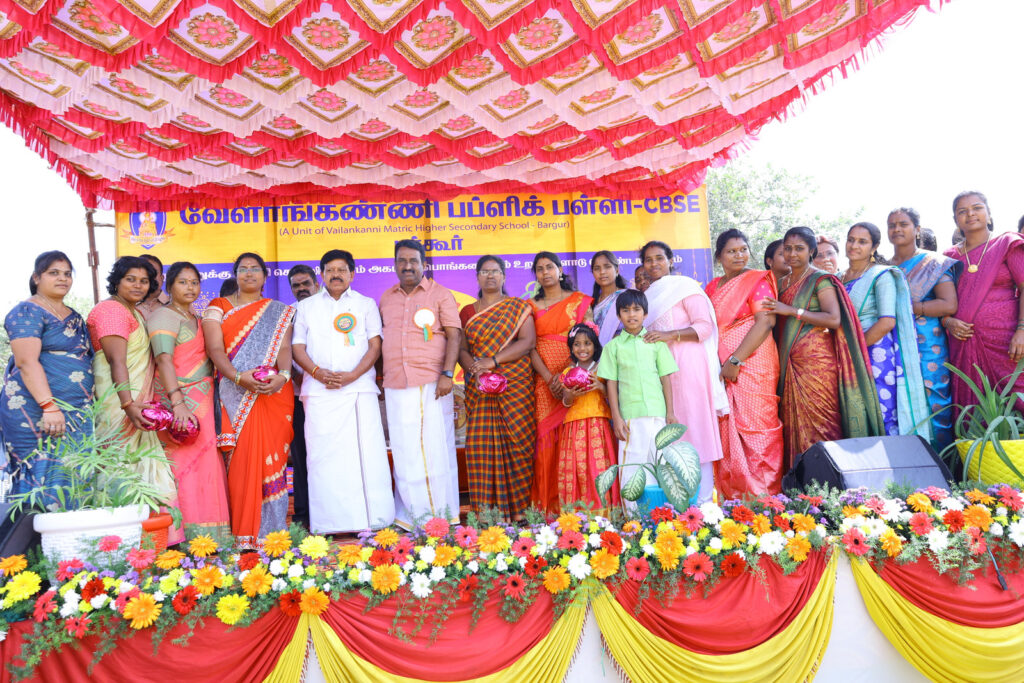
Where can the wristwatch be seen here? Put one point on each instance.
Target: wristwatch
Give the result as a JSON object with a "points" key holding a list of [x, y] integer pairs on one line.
{"points": [[448, 373], [735, 361]]}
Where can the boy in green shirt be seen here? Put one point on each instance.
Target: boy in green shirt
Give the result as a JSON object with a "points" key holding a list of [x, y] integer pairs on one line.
{"points": [[637, 375]]}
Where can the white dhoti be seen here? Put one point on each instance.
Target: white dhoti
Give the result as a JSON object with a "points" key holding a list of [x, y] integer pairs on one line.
{"points": [[422, 433], [347, 463], [639, 447]]}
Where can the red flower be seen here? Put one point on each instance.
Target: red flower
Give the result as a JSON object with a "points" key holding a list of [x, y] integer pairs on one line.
{"points": [[521, 548], [289, 603], [876, 505], [571, 540], [637, 568], [976, 541], [662, 514], [139, 559], [402, 550], [698, 566], [693, 518], [515, 586], [921, 523], [109, 544], [1010, 498], [68, 568], [185, 600], [813, 500], [467, 587], [781, 522], [741, 514], [247, 561], [611, 542], [45, 604], [381, 556], [121, 600], [954, 519], [771, 502], [93, 588], [733, 565], [535, 565], [77, 626], [855, 542]]}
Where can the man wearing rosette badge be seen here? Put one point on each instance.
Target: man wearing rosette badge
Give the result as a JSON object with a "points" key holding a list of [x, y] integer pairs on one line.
{"points": [[421, 346], [336, 343]]}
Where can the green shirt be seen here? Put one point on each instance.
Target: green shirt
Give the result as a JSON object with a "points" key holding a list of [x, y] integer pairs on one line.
{"points": [[638, 368]]}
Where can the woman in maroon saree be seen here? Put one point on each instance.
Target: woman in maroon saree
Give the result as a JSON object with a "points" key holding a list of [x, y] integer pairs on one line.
{"points": [[988, 328]]}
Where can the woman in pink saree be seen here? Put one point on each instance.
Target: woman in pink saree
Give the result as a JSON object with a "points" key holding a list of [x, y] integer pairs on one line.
{"points": [[988, 328], [752, 432]]}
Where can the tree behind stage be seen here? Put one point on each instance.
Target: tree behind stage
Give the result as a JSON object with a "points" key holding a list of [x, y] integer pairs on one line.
{"points": [[764, 202]]}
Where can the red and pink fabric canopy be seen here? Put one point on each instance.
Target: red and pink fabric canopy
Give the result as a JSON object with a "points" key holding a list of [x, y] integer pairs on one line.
{"points": [[157, 104]]}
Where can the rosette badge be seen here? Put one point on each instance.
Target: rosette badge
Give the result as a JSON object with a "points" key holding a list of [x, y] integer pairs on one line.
{"points": [[492, 383], [576, 378], [160, 417], [425, 319]]}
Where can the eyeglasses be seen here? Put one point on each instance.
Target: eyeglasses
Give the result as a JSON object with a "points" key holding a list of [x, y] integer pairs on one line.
{"points": [[249, 269], [489, 273]]}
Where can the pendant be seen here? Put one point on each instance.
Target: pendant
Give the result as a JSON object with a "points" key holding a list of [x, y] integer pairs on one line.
{"points": [[973, 268]]}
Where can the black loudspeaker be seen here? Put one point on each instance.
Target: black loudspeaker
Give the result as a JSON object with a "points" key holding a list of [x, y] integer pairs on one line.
{"points": [[871, 461], [16, 535]]}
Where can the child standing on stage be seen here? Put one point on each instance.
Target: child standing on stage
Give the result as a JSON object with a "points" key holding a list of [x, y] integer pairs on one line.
{"points": [[587, 446], [637, 373]]}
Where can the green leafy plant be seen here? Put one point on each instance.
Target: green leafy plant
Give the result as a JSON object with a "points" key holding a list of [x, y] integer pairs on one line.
{"points": [[92, 469], [992, 420], [676, 468]]}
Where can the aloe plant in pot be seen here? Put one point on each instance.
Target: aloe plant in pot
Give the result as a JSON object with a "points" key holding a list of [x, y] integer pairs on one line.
{"points": [[96, 488], [676, 469]]}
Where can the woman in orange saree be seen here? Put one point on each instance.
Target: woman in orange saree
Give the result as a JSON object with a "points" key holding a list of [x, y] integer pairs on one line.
{"points": [[752, 432], [557, 307], [243, 332]]}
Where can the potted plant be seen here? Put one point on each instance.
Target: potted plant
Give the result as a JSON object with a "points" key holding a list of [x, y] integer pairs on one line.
{"points": [[676, 469], [99, 489], [988, 432]]}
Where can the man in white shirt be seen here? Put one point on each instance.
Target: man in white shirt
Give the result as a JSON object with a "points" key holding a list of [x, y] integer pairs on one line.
{"points": [[336, 343]]}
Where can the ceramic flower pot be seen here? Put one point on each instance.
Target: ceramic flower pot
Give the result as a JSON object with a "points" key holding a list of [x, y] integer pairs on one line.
{"points": [[157, 527], [67, 535], [991, 467]]}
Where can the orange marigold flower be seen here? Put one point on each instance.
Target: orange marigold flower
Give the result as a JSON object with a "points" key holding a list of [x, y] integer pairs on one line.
{"points": [[207, 579], [891, 543], [798, 547], [680, 527], [978, 496], [314, 601], [919, 502], [13, 564], [492, 540], [386, 578], [444, 555], [978, 516], [804, 523], [761, 525], [202, 546], [732, 532], [604, 564], [569, 521], [349, 554], [277, 543], [257, 582], [169, 559], [386, 538], [632, 527], [556, 579], [142, 611]]}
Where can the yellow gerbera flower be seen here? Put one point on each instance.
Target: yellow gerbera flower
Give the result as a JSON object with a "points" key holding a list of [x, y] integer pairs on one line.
{"points": [[444, 555], [202, 546], [314, 601], [732, 532], [761, 525], [919, 502], [314, 547], [169, 559], [891, 543], [277, 543], [604, 564], [386, 538], [569, 521], [492, 540], [349, 554], [556, 579], [207, 579], [976, 496], [804, 523], [978, 516], [13, 564], [231, 608], [142, 611], [386, 578], [257, 582], [798, 547], [23, 586]]}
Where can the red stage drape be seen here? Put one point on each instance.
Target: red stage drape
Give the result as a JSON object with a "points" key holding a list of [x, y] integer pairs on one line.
{"points": [[739, 613], [456, 655], [216, 652]]}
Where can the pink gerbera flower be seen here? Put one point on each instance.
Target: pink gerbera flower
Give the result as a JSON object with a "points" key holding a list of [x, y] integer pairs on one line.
{"points": [[521, 547], [436, 527], [68, 568], [921, 523], [465, 536], [637, 568], [855, 542], [109, 544], [571, 540], [698, 566], [693, 518], [139, 559]]}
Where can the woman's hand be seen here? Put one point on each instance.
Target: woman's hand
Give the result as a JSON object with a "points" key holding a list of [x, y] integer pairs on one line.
{"points": [[53, 423], [777, 307], [555, 385], [1017, 346], [274, 384], [247, 382], [134, 412], [730, 372], [481, 365], [183, 416], [960, 330], [653, 336]]}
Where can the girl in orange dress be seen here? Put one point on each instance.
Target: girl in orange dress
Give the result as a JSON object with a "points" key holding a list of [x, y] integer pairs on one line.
{"points": [[586, 446]]}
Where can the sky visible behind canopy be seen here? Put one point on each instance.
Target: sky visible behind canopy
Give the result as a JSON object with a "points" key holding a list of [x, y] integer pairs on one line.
{"points": [[935, 112]]}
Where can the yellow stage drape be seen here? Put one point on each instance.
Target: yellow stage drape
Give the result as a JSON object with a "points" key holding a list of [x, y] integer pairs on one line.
{"points": [[940, 649], [548, 661], [289, 665], [792, 655]]}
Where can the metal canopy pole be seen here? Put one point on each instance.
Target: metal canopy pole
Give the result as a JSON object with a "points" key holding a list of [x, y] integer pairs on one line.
{"points": [[94, 255]]}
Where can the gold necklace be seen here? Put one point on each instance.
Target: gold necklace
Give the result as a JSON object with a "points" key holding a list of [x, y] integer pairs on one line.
{"points": [[180, 312], [973, 267], [45, 304], [848, 279], [807, 269]]}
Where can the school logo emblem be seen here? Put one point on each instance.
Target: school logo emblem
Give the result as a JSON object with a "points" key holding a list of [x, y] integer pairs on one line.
{"points": [[147, 229]]}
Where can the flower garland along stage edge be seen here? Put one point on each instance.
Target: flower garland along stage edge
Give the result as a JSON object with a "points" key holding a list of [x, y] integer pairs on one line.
{"points": [[666, 554]]}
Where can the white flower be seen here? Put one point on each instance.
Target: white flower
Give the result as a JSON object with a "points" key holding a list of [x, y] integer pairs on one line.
{"points": [[874, 527], [295, 571], [365, 576], [12, 387], [1017, 533], [72, 596], [401, 580], [472, 566], [500, 564], [937, 540], [579, 567], [420, 585], [690, 550], [546, 536], [76, 376], [326, 587], [184, 580], [522, 562], [308, 583], [951, 503], [771, 543], [427, 554], [360, 565], [15, 402], [276, 567], [715, 543], [125, 587], [3, 636], [159, 597], [712, 513], [436, 574], [1000, 511], [996, 529], [648, 550], [594, 540], [409, 565], [98, 601], [69, 609], [241, 577], [278, 585]]}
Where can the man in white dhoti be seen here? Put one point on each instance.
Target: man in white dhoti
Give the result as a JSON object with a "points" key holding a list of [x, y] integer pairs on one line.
{"points": [[421, 345], [336, 343]]}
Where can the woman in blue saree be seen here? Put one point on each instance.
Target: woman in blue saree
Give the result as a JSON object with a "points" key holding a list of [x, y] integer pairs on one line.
{"points": [[881, 298], [51, 361], [932, 280]]}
